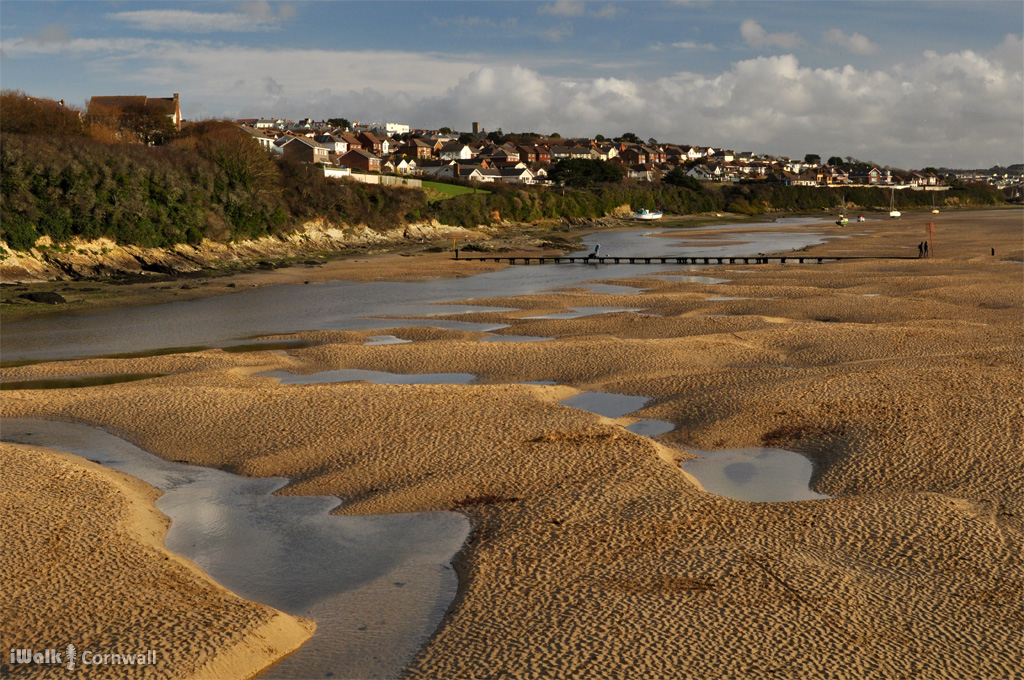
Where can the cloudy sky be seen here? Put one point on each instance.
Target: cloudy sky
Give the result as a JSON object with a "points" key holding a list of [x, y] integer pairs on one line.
{"points": [[902, 83]]}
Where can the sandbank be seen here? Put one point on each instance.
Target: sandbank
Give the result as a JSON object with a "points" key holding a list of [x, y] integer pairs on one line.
{"points": [[84, 564], [592, 554]]}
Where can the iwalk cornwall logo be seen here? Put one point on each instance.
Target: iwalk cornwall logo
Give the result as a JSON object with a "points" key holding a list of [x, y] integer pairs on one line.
{"points": [[71, 658]]}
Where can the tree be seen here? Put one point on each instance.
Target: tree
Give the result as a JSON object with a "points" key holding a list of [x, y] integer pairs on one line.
{"points": [[600, 138], [555, 135], [339, 122], [23, 114], [812, 159], [151, 127], [652, 141], [580, 172], [835, 160], [445, 130], [629, 137], [495, 136], [466, 138], [678, 177]]}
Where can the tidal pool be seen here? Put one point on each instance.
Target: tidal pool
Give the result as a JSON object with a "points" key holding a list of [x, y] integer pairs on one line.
{"points": [[377, 585], [607, 404], [651, 428], [756, 475], [385, 340]]}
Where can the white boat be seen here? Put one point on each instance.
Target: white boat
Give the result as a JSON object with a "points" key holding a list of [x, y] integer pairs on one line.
{"points": [[893, 212], [646, 214]]}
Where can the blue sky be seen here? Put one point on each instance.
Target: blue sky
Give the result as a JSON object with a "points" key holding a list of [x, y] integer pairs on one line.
{"points": [[901, 83]]}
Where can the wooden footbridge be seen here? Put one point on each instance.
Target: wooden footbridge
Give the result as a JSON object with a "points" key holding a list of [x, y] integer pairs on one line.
{"points": [[658, 259]]}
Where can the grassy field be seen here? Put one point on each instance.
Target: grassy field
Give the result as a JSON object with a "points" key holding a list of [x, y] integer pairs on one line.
{"points": [[439, 191]]}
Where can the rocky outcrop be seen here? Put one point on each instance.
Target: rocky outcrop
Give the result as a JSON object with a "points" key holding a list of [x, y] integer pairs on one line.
{"points": [[103, 257]]}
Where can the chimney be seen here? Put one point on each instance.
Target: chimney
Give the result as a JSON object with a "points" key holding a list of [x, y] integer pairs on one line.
{"points": [[175, 96]]}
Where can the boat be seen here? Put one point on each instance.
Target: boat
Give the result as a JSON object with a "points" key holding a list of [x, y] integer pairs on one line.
{"points": [[893, 212], [842, 221], [646, 214], [860, 218]]}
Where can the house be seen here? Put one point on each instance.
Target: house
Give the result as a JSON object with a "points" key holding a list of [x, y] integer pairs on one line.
{"points": [[455, 151], [369, 142], [516, 175], [334, 143], [634, 155], [580, 152], [559, 153], [703, 172], [266, 141], [437, 168], [865, 175], [527, 154], [169, 106], [406, 166], [417, 148], [829, 175], [645, 172], [361, 159], [302, 149]]}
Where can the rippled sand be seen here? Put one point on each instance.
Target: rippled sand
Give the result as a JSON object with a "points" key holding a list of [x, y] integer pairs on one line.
{"points": [[593, 555]]}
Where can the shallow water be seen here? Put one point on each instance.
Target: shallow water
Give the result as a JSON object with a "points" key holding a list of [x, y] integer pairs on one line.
{"points": [[385, 340], [377, 585], [346, 305], [607, 404], [651, 428], [756, 475]]}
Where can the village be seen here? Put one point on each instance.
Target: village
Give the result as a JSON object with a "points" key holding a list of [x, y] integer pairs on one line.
{"points": [[366, 151]]}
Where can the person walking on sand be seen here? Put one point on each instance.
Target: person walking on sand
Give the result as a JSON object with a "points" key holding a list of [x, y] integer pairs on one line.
{"points": [[926, 248], [920, 249]]}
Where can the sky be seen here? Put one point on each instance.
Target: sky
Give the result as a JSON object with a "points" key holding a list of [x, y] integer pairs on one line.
{"points": [[901, 83]]}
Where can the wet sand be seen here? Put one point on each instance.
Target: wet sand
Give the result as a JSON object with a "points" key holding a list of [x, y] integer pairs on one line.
{"points": [[84, 563], [593, 555]]}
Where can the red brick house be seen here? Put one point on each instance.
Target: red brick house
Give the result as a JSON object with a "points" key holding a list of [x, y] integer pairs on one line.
{"points": [[360, 159]]}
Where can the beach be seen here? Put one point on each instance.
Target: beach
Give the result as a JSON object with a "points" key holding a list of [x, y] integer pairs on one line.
{"points": [[593, 554]]}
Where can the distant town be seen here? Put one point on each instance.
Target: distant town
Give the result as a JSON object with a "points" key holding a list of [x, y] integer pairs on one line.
{"points": [[345, 148], [370, 152]]}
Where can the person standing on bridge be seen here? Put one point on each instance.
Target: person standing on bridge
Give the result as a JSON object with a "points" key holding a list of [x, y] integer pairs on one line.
{"points": [[597, 250]]}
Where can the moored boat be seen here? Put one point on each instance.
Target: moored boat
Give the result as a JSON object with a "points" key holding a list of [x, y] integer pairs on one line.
{"points": [[646, 214]]}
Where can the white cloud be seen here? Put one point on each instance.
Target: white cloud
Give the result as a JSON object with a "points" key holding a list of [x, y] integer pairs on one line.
{"points": [[957, 108], [757, 37], [691, 45], [256, 17], [565, 8], [556, 33], [854, 42]]}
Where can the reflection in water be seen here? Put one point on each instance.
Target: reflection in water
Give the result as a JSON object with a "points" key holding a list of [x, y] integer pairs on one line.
{"points": [[757, 475], [385, 340], [607, 404], [651, 428], [342, 305], [377, 586]]}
